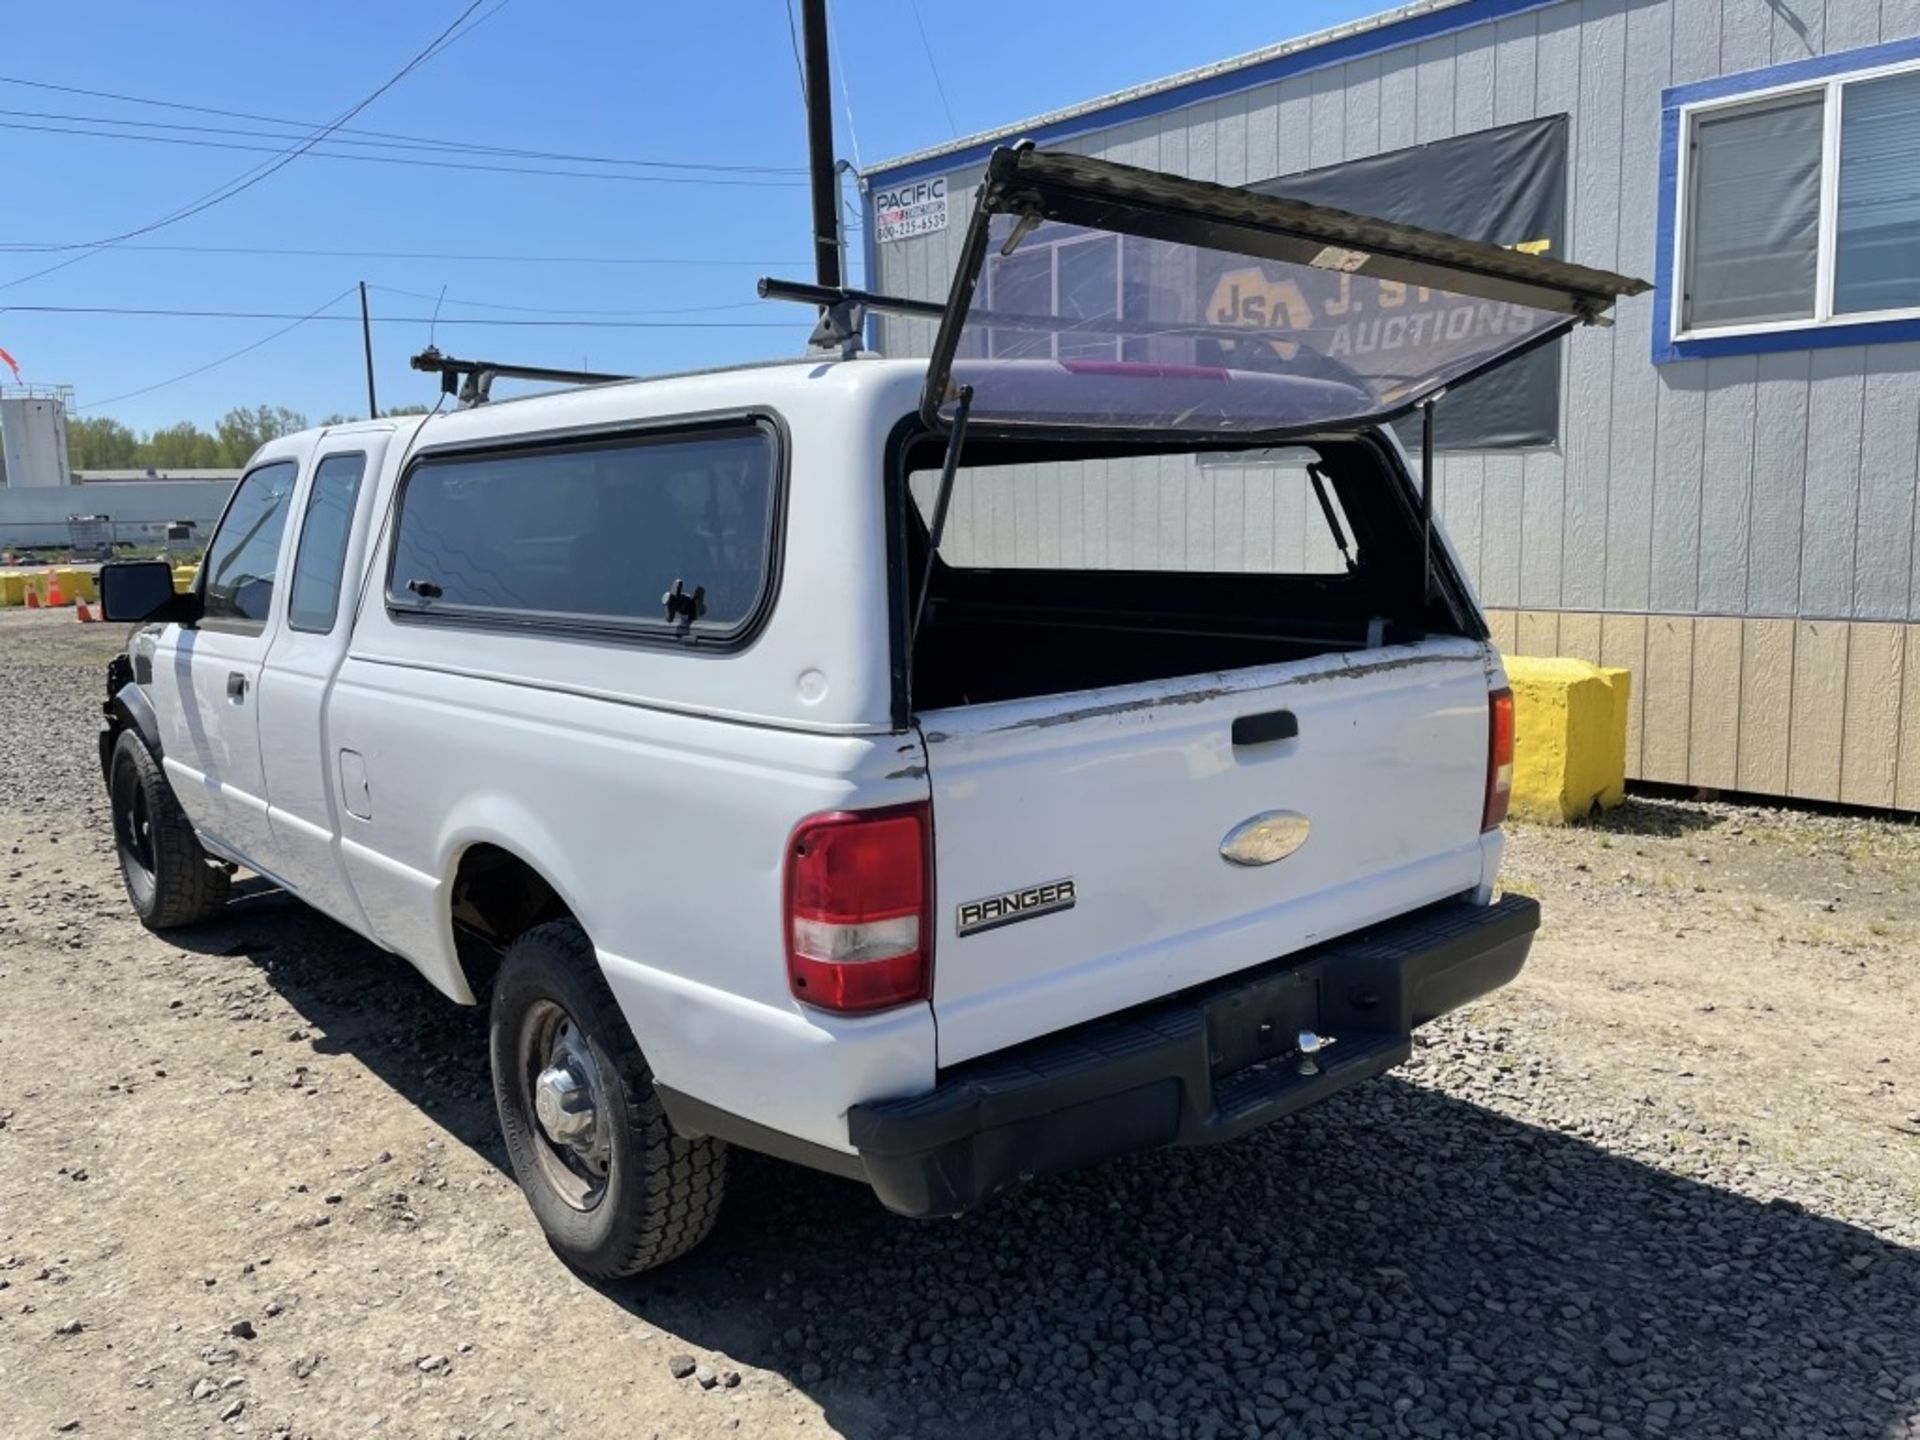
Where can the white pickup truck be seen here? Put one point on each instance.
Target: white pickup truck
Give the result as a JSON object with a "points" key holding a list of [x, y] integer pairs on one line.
{"points": [[772, 807]]}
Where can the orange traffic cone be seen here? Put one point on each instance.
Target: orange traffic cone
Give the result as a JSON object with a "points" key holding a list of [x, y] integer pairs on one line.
{"points": [[83, 612], [33, 598], [54, 597]]}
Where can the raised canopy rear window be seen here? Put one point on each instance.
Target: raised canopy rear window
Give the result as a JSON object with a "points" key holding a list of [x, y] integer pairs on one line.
{"points": [[594, 536], [1121, 331], [1097, 296]]}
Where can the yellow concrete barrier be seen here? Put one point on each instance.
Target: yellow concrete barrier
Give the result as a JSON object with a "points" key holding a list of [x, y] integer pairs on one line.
{"points": [[14, 585], [77, 584], [183, 577], [1570, 737]]}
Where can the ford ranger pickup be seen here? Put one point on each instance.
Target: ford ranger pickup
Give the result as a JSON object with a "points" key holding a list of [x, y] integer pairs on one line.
{"points": [[909, 768]]}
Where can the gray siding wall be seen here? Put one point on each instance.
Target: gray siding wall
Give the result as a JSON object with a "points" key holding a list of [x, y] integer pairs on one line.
{"points": [[1779, 485]]}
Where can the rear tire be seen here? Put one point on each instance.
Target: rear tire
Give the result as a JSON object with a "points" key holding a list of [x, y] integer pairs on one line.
{"points": [[624, 1193], [169, 878]]}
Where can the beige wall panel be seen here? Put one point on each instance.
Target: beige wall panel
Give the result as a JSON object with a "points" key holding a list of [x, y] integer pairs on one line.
{"points": [[1819, 701], [1870, 744], [1623, 642], [1665, 721], [1823, 709], [1580, 637], [1713, 735], [1539, 632], [1766, 705], [1907, 782]]}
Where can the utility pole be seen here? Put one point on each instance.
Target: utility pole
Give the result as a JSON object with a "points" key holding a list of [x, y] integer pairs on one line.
{"points": [[366, 344], [826, 184]]}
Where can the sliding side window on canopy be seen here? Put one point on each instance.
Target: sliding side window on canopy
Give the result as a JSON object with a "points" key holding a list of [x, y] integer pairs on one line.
{"points": [[1093, 295]]}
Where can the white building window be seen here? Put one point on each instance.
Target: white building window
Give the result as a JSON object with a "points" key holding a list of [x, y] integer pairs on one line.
{"points": [[1800, 206], [1066, 279]]}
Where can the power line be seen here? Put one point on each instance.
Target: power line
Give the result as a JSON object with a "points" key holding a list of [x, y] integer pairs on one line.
{"points": [[591, 324], [440, 255], [927, 45], [846, 96], [380, 141], [413, 141], [799, 68], [253, 177], [215, 364], [320, 154], [556, 310], [260, 172]]}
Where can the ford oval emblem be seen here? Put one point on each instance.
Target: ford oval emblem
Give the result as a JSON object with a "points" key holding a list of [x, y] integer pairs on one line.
{"points": [[1264, 838]]}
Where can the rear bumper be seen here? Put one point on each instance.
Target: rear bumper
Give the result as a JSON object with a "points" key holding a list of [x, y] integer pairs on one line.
{"points": [[1204, 1066]]}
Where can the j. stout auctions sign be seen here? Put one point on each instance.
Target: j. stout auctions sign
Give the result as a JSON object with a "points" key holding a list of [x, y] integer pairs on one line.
{"points": [[1506, 185]]}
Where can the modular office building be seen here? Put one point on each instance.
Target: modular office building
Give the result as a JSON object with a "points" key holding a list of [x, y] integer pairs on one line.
{"points": [[1718, 492]]}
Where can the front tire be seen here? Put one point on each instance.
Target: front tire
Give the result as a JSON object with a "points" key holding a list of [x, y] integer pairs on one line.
{"points": [[615, 1189], [169, 878]]}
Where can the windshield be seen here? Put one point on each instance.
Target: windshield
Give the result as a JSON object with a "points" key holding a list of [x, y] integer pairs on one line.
{"points": [[1097, 295]]}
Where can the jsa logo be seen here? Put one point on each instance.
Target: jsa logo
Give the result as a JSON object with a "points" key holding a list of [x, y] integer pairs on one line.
{"points": [[1246, 297]]}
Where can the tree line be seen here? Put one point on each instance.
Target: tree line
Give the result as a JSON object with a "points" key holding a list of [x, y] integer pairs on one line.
{"points": [[99, 443]]}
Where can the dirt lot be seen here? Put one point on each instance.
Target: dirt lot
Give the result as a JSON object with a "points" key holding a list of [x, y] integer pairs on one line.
{"points": [[1667, 1184]]}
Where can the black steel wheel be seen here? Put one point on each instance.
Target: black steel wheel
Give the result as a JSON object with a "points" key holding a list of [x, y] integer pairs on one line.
{"points": [[168, 876]]}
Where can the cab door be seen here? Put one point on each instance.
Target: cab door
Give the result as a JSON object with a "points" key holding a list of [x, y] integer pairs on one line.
{"points": [[208, 675], [329, 554]]}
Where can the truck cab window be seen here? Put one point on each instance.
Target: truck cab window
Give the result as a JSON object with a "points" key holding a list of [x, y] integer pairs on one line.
{"points": [[314, 603], [244, 554]]}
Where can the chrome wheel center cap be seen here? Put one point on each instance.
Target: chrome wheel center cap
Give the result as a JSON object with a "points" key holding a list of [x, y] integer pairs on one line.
{"points": [[563, 1103]]}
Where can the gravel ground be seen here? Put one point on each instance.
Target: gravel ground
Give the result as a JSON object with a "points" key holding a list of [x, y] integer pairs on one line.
{"points": [[1666, 1185]]}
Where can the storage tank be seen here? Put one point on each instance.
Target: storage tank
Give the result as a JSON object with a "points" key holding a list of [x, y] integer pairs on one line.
{"points": [[33, 437]]}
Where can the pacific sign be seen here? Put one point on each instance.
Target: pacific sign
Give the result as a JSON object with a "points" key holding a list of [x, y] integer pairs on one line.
{"points": [[908, 210]]}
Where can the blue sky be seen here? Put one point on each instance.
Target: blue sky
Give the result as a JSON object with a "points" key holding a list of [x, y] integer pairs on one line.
{"points": [[710, 84]]}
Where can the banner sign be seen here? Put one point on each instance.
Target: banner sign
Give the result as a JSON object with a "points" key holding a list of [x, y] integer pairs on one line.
{"points": [[1506, 185]]}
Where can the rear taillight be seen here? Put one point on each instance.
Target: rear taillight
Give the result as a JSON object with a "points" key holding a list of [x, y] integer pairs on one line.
{"points": [[1499, 758], [859, 922]]}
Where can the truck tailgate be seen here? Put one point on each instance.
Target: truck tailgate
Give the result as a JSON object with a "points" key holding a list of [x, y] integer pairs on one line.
{"points": [[1371, 767]]}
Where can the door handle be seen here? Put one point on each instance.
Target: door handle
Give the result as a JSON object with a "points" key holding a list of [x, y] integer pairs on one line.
{"points": [[1267, 726], [236, 685]]}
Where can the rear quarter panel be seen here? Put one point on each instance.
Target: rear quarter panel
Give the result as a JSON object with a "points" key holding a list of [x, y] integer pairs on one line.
{"points": [[665, 834], [654, 787]]}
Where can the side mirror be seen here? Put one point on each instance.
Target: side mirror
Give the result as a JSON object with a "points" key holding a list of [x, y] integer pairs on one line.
{"points": [[137, 590]]}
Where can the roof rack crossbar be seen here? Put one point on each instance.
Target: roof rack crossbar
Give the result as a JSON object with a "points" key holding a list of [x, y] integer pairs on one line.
{"points": [[480, 375], [843, 310]]}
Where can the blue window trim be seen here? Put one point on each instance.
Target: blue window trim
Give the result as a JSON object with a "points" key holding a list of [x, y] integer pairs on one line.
{"points": [[1396, 35], [1731, 87]]}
